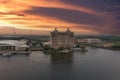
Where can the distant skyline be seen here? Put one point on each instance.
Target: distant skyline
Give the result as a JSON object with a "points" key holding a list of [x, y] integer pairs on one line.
{"points": [[42, 16]]}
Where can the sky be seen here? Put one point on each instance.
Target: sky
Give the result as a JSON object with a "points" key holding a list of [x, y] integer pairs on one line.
{"points": [[42, 16]]}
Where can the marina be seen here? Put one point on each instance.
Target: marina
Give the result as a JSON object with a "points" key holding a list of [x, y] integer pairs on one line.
{"points": [[59, 39]]}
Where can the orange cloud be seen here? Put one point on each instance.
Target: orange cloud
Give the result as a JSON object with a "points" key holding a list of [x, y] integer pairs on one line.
{"points": [[12, 15], [20, 5], [57, 4]]}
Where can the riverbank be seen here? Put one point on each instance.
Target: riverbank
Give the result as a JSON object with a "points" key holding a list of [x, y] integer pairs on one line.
{"points": [[102, 47]]}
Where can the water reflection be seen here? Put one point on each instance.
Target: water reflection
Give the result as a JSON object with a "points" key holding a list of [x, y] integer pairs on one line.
{"points": [[61, 58], [96, 64], [82, 53]]}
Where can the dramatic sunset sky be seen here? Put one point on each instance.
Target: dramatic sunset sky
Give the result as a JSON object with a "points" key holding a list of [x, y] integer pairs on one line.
{"points": [[42, 16]]}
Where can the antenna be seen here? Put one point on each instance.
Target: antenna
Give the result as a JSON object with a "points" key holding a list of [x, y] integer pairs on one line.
{"points": [[68, 29], [14, 32], [30, 33]]}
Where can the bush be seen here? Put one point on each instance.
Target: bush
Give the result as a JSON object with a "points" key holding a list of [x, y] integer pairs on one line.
{"points": [[46, 47]]}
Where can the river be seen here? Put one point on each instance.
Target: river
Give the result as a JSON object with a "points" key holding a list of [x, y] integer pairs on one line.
{"points": [[96, 64]]}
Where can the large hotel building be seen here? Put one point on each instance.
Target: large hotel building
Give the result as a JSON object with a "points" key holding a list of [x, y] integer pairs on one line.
{"points": [[62, 39]]}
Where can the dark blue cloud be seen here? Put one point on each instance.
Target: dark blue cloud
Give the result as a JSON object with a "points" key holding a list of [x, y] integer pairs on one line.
{"points": [[67, 15], [94, 4], [111, 8], [114, 11]]}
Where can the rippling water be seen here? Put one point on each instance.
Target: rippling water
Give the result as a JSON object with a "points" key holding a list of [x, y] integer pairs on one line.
{"points": [[96, 64]]}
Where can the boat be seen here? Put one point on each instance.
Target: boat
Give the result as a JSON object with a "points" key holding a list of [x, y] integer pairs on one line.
{"points": [[83, 49], [65, 51], [7, 55], [76, 49]]}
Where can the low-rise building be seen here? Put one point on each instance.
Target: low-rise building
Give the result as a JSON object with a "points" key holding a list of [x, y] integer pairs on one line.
{"points": [[7, 45], [93, 40], [89, 40], [107, 45]]}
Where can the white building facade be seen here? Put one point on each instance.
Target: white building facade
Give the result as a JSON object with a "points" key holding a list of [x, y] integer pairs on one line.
{"points": [[12, 45], [62, 39]]}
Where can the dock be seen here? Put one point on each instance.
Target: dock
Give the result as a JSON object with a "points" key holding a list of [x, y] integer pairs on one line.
{"points": [[15, 52]]}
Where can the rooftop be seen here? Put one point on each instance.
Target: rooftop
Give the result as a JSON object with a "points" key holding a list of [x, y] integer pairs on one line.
{"points": [[12, 42]]}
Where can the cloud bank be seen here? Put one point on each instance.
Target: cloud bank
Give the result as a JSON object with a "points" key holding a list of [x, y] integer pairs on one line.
{"points": [[82, 16]]}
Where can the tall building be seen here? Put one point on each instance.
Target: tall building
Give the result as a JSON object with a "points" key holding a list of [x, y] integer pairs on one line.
{"points": [[62, 39]]}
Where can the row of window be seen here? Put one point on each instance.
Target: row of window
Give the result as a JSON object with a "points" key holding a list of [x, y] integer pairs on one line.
{"points": [[7, 47]]}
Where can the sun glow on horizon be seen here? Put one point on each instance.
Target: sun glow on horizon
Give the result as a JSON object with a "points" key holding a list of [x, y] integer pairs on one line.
{"points": [[47, 14]]}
